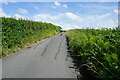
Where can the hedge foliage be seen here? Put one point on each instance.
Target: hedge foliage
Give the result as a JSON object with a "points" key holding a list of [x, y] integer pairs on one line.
{"points": [[97, 51], [17, 34]]}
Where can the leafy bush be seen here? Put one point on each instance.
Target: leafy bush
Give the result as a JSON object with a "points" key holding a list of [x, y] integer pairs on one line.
{"points": [[97, 51], [17, 34]]}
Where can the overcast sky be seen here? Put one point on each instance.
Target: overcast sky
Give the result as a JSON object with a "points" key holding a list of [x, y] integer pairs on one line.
{"points": [[68, 15]]}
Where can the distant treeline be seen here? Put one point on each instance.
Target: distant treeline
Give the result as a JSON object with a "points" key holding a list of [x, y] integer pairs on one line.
{"points": [[17, 34]]}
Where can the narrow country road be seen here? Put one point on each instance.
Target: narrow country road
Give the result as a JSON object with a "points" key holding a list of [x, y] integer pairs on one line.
{"points": [[46, 59]]}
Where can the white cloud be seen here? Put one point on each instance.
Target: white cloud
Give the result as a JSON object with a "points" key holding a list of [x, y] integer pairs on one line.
{"points": [[96, 25], [98, 21], [23, 11], [36, 8], [65, 6], [96, 6], [53, 19], [47, 17], [3, 2], [13, 1], [106, 24], [17, 16], [66, 0], [57, 4], [67, 26], [103, 16], [53, 6], [98, 17], [7, 1], [74, 21], [116, 11], [73, 16], [2, 13]]}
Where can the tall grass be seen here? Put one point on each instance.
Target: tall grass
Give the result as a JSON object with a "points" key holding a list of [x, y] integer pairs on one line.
{"points": [[97, 51], [17, 34]]}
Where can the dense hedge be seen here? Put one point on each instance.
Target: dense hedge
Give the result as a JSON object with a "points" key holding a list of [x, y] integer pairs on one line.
{"points": [[17, 34], [97, 52]]}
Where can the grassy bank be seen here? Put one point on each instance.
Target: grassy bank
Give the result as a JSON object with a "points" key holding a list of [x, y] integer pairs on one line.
{"points": [[97, 52], [18, 34]]}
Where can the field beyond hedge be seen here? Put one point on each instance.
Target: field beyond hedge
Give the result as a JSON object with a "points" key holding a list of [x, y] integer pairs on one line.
{"points": [[17, 34], [96, 52]]}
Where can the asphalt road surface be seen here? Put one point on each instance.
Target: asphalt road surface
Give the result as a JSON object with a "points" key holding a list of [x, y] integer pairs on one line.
{"points": [[46, 59]]}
